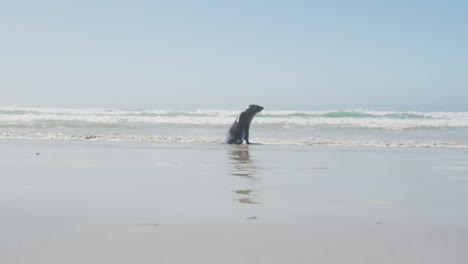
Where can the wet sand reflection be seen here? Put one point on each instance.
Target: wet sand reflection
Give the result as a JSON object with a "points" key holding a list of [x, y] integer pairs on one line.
{"points": [[242, 165]]}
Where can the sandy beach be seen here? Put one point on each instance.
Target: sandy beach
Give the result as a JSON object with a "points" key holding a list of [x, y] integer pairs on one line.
{"points": [[116, 119], [91, 202]]}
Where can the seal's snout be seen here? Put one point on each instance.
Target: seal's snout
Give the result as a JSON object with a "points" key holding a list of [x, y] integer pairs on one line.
{"points": [[255, 108], [259, 109]]}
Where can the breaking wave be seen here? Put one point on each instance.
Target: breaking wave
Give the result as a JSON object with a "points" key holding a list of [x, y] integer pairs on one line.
{"points": [[53, 117]]}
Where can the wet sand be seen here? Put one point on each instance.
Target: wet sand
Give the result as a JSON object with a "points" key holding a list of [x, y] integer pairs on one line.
{"points": [[90, 202]]}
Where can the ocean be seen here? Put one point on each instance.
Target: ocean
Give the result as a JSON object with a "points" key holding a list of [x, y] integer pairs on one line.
{"points": [[158, 186], [355, 127]]}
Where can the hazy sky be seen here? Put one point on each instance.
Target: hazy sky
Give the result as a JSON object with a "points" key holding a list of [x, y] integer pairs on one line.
{"points": [[408, 55]]}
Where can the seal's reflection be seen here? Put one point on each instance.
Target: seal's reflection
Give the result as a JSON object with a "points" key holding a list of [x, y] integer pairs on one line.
{"points": [[242, 165]]}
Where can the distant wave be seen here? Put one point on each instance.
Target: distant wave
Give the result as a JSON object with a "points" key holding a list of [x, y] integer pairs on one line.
{"points": [[13, 116]]}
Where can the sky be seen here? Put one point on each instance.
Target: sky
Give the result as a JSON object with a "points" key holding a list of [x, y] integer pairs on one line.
{"points": [[285, 55]]}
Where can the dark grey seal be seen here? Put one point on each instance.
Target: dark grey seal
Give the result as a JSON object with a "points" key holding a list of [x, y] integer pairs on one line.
{"points": [[240, 128]]}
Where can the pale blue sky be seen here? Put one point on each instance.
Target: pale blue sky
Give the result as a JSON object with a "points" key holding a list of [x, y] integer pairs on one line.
{"points": [[385, 55]]}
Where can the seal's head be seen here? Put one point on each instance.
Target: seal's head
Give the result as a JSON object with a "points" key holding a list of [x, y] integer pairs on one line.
{"points": [[253, 109]]}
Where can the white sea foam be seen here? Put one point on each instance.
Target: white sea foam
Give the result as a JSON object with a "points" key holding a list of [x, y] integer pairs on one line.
{"points": [[329, 128], [219, 140]]}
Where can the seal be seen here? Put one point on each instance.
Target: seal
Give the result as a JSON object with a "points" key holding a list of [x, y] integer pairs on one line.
{"points": [[239, 130]]}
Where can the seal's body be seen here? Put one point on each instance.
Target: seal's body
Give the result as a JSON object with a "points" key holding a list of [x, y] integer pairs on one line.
{"points": [[239, 130]]}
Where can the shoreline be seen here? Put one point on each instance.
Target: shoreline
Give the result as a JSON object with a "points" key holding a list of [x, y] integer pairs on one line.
{"points": [[218, 141]]}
